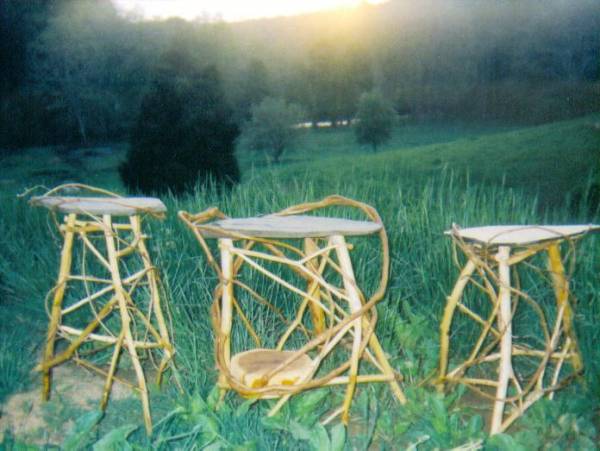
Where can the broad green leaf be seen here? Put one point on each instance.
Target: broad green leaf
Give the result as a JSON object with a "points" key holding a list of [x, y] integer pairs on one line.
{"points": [[503, 442], [215, 446], [244, 407], [299, 431], [319, 440], [475, 425], [18, 446], [209, 426], [338, 437], [213, 398], [309, 402], [80, 433], [276, 422], [246, 446], [116, 439]]}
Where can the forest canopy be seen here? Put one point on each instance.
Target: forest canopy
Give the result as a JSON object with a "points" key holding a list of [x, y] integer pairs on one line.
{"points": [[75, 71]]}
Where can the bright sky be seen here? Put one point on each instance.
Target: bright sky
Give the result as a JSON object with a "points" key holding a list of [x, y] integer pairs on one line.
{"points": [[230, 10]]}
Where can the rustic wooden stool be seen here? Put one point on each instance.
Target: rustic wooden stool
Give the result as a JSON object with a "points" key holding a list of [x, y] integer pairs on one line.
{"points": [[492, 252], [329, 316], [119, 305]]}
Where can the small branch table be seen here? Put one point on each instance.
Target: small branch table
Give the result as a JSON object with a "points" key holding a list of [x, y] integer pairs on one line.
{"points": [[492, 252], [106, 307], [330, 312]]}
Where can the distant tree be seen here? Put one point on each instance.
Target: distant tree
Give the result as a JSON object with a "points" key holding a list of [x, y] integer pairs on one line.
{"points": [[272, 127], [254, 86], [185, 133], [84, 64], [336, 73], [375, 119]]}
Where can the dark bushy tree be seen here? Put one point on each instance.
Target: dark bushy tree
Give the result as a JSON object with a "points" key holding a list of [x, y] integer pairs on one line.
{"points": [[184, 134]]}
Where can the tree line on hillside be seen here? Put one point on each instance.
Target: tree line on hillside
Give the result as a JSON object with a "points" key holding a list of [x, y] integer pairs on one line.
{"points": [[77, 71]]}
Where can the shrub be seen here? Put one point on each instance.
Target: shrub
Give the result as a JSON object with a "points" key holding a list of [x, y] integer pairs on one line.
{"points": [[184, 134], [375, 118], [272, 127]]}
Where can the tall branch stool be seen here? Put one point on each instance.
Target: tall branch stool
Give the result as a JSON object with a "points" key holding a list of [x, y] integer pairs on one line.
{"points": [[529, 366], [109, 295], [327, 314]]}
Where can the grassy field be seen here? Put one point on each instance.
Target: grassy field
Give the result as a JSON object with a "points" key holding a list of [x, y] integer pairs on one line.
{"points": [[429, 178]]}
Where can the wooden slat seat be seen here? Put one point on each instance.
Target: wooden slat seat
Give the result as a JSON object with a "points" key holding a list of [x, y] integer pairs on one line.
{"points": [[520, 235], [250, 368], [296, 226], [117, 206]]}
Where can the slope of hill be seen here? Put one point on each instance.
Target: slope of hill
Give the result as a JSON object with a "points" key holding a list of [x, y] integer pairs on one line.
{"points": [[551, 160]]}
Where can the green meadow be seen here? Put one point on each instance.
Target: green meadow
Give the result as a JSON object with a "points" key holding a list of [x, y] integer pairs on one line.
{"points": [[427, 178]]}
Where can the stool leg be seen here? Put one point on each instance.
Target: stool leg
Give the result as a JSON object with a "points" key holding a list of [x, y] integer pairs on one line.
{"points": [[126, 320], [505, 328], [155, 297], [59, 292], [451, 303]]}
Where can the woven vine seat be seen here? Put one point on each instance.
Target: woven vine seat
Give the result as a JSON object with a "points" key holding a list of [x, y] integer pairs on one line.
{"points": [[250, 368]]}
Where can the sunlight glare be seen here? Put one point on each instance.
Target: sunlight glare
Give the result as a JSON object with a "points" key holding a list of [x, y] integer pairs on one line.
{"points": [[231, 10]]}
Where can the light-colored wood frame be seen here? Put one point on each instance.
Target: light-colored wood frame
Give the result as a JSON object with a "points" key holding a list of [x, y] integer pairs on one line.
{"points": [[114, 308], [336, 312], [489, 269]]}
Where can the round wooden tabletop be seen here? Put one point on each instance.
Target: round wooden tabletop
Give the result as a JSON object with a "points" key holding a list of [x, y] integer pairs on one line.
{"points": [[117, 206], [296, 226], [520, 235]]}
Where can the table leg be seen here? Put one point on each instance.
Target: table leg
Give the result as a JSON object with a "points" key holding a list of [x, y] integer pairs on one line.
{"points": [[225, 245], [59, 293], [355, 304], [505, 328], [451, 304], [561, 291]]}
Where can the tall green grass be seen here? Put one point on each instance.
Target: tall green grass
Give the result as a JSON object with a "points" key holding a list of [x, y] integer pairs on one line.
{"points": [[419, 192], [415, 215]]}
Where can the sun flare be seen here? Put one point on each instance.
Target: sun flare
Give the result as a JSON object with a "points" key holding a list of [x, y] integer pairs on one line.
{"points": [[231, 10]]}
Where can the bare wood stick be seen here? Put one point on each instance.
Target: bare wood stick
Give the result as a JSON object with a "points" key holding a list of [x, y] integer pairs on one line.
{"points": [[561, 290], [106, 339], [361, 379], [355, 305], [126, 320], [226, 245], [55, 315], [154, 292], [472, 381], [478, 319], [111, 371], [104, 373], [101, 292], [451, 303], [67, 353], [292, 263], [318, 319], [504, 324], [94, 250]]}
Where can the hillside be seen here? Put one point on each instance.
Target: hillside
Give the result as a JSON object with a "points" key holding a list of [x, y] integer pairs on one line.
{"points": [[551, 160]]}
